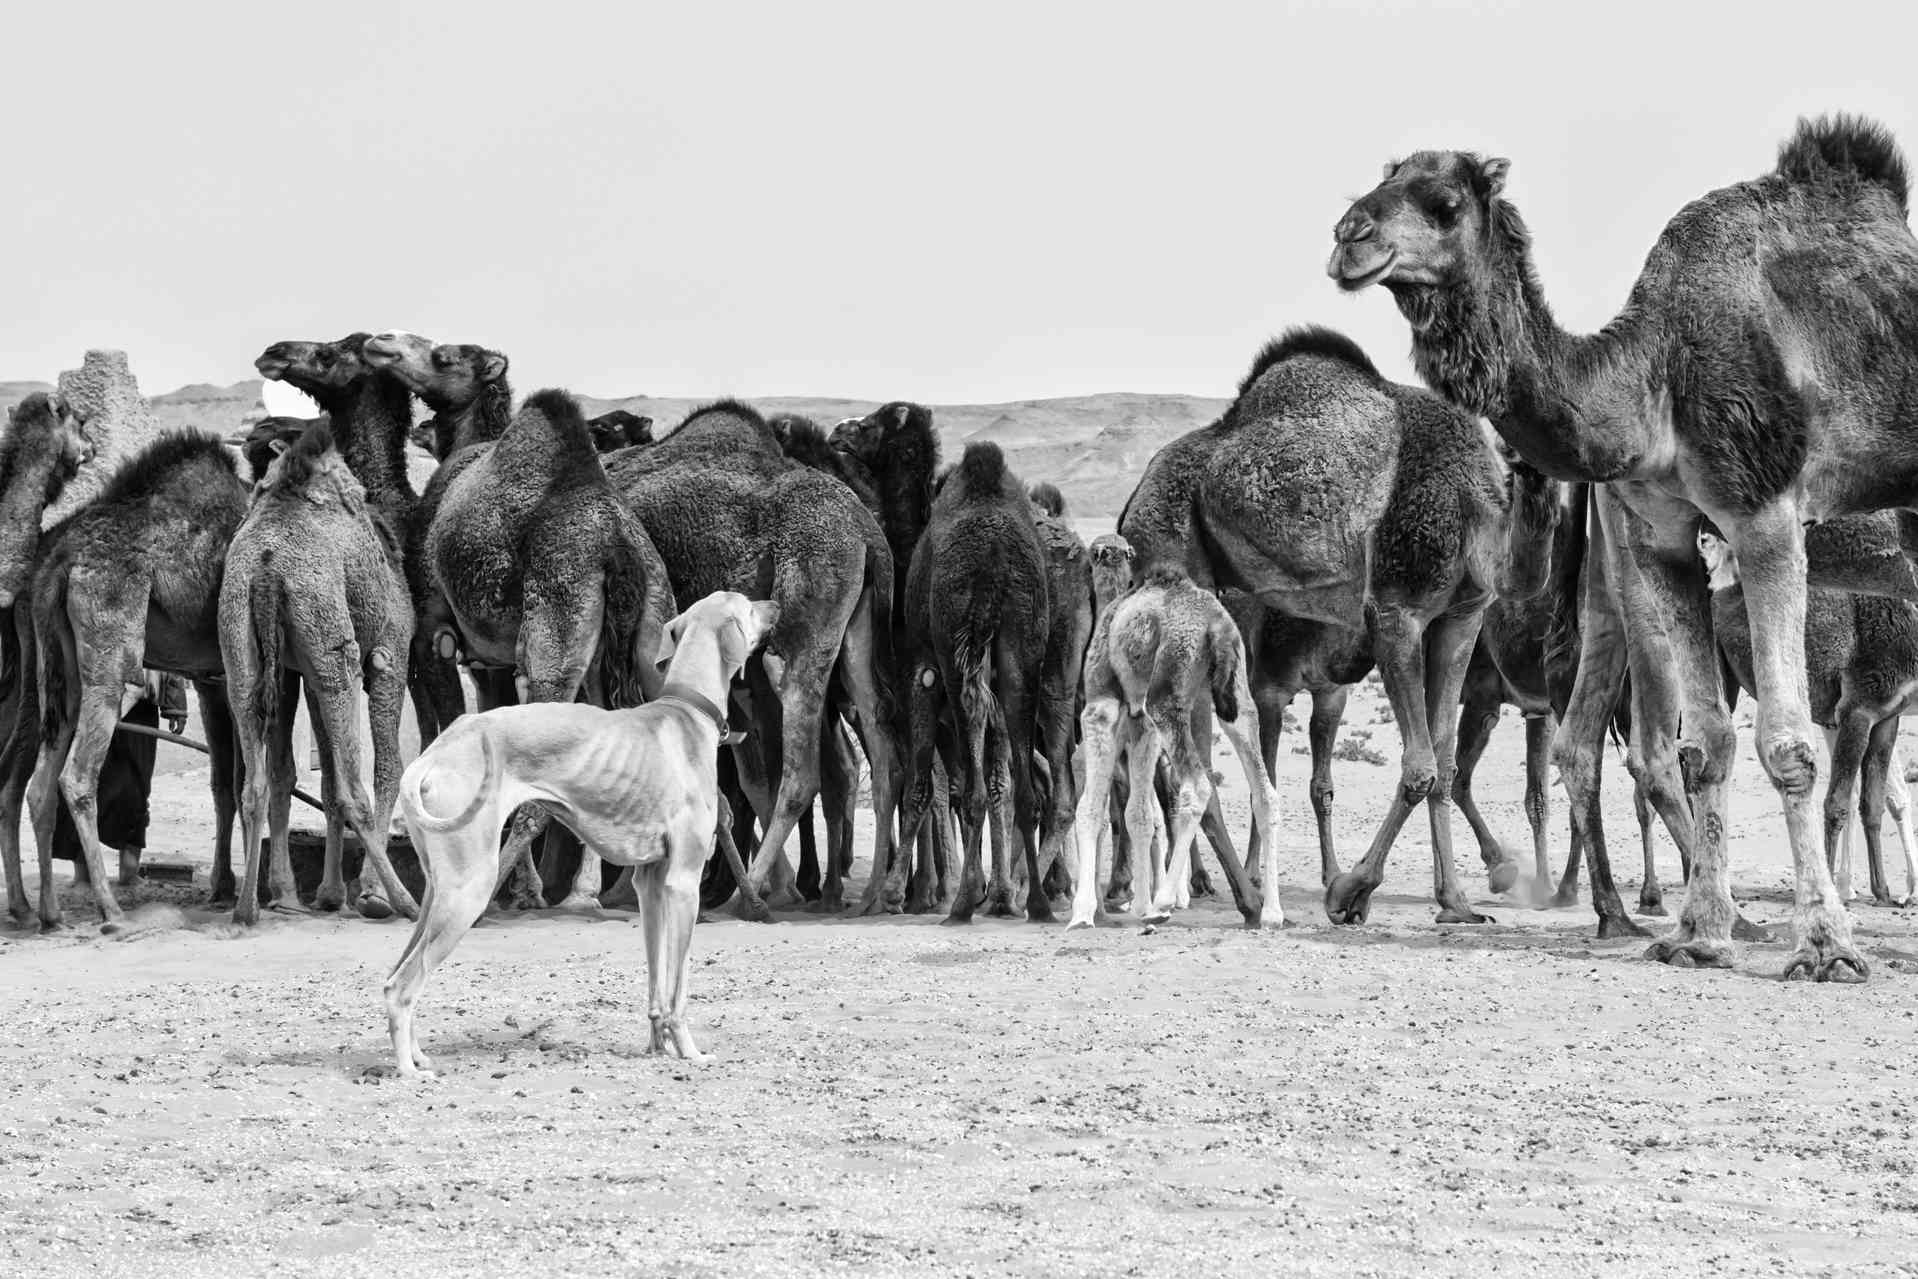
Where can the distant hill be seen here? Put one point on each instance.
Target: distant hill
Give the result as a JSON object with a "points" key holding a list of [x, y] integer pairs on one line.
{"points": [[1092, 446]]}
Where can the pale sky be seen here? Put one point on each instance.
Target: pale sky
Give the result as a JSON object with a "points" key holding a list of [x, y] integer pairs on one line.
{"points": [[1002, 201]]}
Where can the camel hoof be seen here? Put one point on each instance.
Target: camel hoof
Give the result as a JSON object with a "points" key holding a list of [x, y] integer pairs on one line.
{"points": [[1503, 877], [579, 903], [1000, 907], [1078, 921], [1563, 900], [1040, 913], [288, 906], [1744, 930], [956, 918], [753, 910], [1154, 917], [113, 926], [371, 906], [1652, 906], [1612, 927], [329, 900], [223, 896], [1463, 915], [1201, 884], [1689, 952], [1348, 900], [1834, 962]]}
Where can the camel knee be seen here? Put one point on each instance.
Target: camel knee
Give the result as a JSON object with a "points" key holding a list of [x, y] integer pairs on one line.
{"points": [[1322, 795]]}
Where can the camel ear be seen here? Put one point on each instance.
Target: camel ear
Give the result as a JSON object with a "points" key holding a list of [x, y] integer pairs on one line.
{"points": [[1391, 167], [1494, 171], [492, 367], [277, 444], [901, 415]]}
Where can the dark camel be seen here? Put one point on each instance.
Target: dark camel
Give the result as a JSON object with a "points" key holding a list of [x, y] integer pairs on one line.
{"points": [[979, 624], [1330, 494], [729, 511], [1761, 375]]}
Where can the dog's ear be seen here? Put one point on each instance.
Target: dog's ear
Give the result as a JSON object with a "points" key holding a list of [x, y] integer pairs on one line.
{"points": [[668, 640]]}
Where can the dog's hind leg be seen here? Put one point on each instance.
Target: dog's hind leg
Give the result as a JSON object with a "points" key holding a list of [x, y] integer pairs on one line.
{"points": [[675, 892], [464, 867]]}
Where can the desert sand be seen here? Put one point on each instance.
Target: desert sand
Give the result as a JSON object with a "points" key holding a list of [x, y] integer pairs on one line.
{"points": [[892, 1095]]}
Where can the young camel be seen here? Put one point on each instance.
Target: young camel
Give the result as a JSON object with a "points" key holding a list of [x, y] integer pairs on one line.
{"points": [[1166, 662], [314, 585], [136, 573], [1758, 376], [1862, 665], [1331, 494]]}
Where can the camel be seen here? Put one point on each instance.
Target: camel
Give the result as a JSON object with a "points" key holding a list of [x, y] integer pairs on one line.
{"points": [[313, 583], [44, 448], [729, 511], [1862, 669], [465, 386], [979, 623], [548, 573], [1763, 356], [370, 409], [620, 429], [267, 438], [136, 572], [1332, 494], [1165, 664]]}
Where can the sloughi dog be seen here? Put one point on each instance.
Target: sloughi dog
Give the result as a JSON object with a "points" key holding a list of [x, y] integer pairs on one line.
{"points": [[640, 787]]}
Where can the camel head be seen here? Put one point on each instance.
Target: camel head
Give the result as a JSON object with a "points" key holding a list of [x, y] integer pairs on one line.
{"points": [[1532, 515], [620, 429], [1426, 225], [45, 446], [267, 438], [1112, 558], [321, 369], [448, 376], [872, 437]]}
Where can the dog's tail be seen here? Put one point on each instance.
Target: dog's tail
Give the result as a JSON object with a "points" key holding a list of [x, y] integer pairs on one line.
{"points": [[415, 806]]}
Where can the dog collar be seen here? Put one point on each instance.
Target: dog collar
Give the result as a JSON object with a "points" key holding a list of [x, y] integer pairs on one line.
{"points": [[698, 701]]}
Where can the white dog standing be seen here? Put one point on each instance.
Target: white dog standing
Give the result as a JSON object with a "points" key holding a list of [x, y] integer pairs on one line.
{"points": [[640, 787]]}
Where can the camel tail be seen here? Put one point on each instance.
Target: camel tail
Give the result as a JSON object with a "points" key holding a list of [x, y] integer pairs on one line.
{"points": [[1567, 578], [879, 578], [1223, 656], [1846, 145], [266, 603], [415, 806], [624, 609]]}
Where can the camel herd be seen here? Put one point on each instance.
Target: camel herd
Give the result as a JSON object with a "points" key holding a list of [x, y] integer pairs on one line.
{"points": [[945, 632]]}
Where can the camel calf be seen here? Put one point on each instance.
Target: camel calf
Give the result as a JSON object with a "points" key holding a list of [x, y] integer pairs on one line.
{"points": [[1165, 663]]}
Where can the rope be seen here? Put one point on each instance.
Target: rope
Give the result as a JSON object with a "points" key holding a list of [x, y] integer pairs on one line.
{"points": [[142, 730]]}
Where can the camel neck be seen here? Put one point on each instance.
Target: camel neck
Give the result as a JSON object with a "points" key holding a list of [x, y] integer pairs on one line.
{"points": [[477, 421], [370, 424], [1568, 404]]}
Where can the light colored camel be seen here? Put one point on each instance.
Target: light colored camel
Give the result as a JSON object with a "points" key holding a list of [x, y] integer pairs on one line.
{"points": [[1165, 664]]}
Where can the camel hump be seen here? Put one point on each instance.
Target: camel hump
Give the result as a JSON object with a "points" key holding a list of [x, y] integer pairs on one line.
{"points": [[1849, 145], [1309, 339]]}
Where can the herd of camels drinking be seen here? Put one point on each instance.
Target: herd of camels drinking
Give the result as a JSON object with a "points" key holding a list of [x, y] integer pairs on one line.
{"points": [[1757, 398]]}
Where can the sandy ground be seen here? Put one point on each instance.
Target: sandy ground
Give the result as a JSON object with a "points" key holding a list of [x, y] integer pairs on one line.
{"points": [[889, 1094]]}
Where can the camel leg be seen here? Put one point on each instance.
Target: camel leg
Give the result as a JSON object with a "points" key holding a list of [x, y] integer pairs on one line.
{"points": [[802, 697], [1449, 641], [1259, 907], [1099, 725], [1187, 766], [838, 793], [1579, 746], [278, 774], [1477, 717], [1898, 802], [1771, 557], [971, 722], [1019, 717], [922, 798], [1651, 897], [1118, 836], [339, 678], [1844, 743], [1539, 731], [1322, 732], [1871, 809], [998, 807], [225, 771], [332, 891], [75, 760], [1143, 813], [1652, 753]]}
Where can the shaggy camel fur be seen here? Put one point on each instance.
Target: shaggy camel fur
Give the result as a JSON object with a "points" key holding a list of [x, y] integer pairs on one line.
{"points": [[1332, 494], [549, 574], [1047, 499], [1861, 658], [136, 572], [729, 511], [979, 617], [1759, 375], [313, 584], [639, 787], [1166, 663]]}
